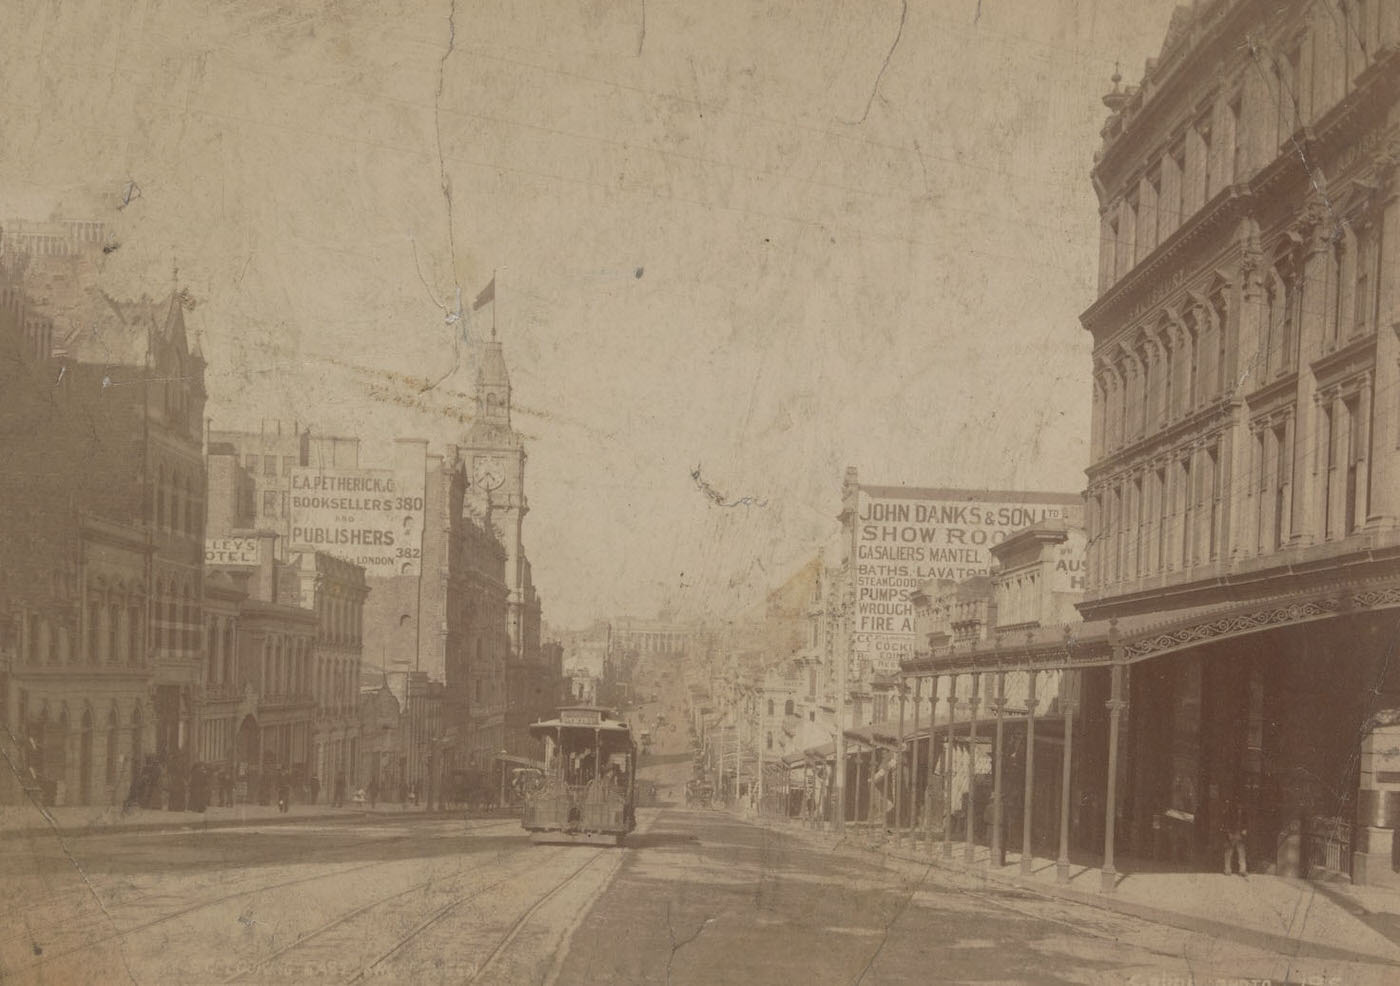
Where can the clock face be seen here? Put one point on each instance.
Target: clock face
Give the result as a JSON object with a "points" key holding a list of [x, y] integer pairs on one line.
{"points": [[488, 472]]}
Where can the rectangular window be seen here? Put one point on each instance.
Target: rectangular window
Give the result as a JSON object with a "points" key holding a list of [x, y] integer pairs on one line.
{"points": [[1353, 412], [269, 465], [1366, 296], [1153, 224], [1163, 519], [1178, 158], [1132, 234], [270, 502], [1238, 150], [1292, 295], [1280, 482], [1336, 276], [1187, 514], [289, 462], [1206, 178], [1329, 434], [1213, 465], [1140, 516]]}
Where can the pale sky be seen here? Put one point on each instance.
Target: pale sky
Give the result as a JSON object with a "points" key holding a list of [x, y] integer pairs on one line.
{"points": [[763, 239]]}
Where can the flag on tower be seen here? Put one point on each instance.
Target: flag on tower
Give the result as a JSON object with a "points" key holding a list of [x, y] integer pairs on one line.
{"points": [[487, 295]]}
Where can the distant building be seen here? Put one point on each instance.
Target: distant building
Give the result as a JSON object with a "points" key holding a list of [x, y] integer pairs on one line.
{"points": [[336, 591]]}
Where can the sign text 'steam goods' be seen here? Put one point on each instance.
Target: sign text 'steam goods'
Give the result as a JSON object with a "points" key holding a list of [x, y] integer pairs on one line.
{"points": [[903, 543], [372, 517]]}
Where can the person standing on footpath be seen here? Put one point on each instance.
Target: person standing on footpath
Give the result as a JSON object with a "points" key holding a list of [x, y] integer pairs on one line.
{"points": [[315, 784], [1234, 831], [339, 790]]}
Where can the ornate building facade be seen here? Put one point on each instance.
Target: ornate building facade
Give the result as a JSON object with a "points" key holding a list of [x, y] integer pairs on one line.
{"points": [[1246, 425]]}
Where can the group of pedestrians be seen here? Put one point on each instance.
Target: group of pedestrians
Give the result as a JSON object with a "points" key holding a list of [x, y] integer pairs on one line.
{"points": [[158, 784]]}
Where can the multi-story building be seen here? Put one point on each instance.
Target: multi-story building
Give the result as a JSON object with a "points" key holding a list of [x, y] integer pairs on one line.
{"points": [[437, 597], [336, 591], [101, 402], [261, 716], [653, 638], [250, 474], [1243, 551], [1246, 440]]}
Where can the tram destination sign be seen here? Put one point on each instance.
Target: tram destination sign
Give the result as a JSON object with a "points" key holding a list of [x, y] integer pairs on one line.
{"points": [[371, 517], [906, 537], [580, 717]]}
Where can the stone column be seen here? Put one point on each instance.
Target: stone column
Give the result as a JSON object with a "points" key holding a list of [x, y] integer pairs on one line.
{"points": [[1115, 712], [1378, 808], [1027, 801], [1067, 698]]}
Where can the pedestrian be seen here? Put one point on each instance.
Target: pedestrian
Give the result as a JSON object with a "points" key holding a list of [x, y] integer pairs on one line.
{"points": [[403, 794], [339, 790], [199, 789], [1233, 828], [373, 792], [136, 790], [284, 792], [315, 783]]}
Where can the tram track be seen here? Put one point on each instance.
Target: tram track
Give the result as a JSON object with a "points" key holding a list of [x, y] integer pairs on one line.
{"points": [[519, 922], [90, 944], [440, 913]]}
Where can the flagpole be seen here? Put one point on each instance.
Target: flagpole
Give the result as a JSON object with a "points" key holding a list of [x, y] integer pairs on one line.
{"points": [[494, 272]]}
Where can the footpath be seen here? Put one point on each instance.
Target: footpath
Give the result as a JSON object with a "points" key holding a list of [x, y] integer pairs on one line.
{"points": [[71, 821], [1288, 916]]}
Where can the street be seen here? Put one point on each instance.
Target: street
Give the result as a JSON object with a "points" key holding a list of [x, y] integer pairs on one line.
{"points": [[695, 897]]}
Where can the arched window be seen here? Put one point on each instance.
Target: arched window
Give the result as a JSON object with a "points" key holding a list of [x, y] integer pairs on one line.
{"points": [[176, 485], [770, 706], [136, 635], [94, 630], [114, 629], [160, 497], [230, 654], [1220, 315], [138, 739], [111, 745], [789, 708]]}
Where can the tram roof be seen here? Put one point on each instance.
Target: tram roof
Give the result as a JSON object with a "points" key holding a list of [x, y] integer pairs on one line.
{"points": [[583, 717]]}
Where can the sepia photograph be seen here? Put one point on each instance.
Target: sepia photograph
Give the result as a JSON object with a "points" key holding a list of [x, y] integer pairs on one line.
{"points": [[630, 492]]}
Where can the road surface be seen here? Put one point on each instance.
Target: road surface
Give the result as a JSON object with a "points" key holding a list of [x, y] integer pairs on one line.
{"points": [[695, 898]]}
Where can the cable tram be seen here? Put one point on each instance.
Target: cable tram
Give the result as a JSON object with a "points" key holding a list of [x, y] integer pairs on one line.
{"points": [[588, 788]]}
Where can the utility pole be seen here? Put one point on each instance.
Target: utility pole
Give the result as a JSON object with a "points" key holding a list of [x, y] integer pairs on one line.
{"points": [[849, 510], [758, 743], [738, 739]]}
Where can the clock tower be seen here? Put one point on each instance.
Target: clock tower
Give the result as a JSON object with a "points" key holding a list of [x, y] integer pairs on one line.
{"points": [[494, 457]]}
